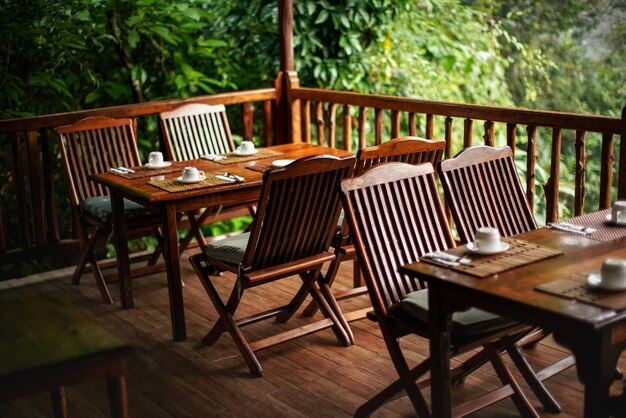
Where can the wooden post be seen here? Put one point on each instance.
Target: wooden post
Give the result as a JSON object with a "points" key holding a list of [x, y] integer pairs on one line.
{"points": [[621, 174], [288, 128]]}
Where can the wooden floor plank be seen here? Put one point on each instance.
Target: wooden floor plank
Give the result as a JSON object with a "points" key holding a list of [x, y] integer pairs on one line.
{"points": [[310, 376]]}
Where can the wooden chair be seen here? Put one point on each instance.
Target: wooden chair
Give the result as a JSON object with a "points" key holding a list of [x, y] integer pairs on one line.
{"points": [[411, 150], [482, 188], [189, 132], [395, 216], [94, 145], [297, 215]]}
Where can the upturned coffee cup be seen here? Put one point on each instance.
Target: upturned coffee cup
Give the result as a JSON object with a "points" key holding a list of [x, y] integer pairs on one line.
{"points": [[192, 173], [487, 239], [155, 158], [613, 273], [246, 147], [618, 214]]}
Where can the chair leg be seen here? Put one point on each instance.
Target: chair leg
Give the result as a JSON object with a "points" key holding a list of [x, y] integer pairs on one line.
{"points": [[327, 293], [158, 234], [220, 327], [87, 245], [194, 229], [225, 312], [343, 334], [504, 374], [545, 397], [402, 368], [329, 278]]}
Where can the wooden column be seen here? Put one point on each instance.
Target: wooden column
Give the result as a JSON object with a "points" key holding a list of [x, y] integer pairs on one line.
{"points": [[288, 128], [621, 173]]}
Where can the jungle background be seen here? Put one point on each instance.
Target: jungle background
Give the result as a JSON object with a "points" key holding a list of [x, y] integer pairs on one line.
{"points": [[568, 55]]}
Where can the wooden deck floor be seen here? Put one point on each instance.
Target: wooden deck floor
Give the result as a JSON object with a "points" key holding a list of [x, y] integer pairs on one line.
{"points": [[312, 376]]}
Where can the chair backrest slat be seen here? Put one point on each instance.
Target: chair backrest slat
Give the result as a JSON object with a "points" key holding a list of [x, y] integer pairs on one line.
{"points": [[297, 211], [482, 188], [395, 216], [194, 130], [94, 145]]}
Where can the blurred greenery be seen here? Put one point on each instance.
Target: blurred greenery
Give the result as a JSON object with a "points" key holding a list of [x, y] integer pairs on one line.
{"points": [[65, 55]]}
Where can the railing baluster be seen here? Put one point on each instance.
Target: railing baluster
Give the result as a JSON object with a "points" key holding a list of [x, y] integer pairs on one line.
{"points": [[362, 130], [378, 123], [20, 186], [306, 120], [579, 182], [429, 126], [448, 124], [606, 170], [268, 131], [247, 113], [3, 238], [552, 187], [53, 235], [511, 135], [319, 121], [412, 128], [467, 133], [489, 134], [395, 124], [531, 161], [347, 128], [332, 125]]}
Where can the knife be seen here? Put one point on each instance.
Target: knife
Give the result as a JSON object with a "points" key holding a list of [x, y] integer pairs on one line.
{"points": [[566, 228]]}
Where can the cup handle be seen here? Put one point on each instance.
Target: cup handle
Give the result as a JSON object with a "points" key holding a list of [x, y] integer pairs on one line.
{"points": [[201, 174]]}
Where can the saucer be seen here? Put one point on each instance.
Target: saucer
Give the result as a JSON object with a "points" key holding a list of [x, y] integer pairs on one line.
{"points": [[609, 220], [180, 179], [503, 247], [243, 153], [281, 163], [162, 165], [594, 281]]}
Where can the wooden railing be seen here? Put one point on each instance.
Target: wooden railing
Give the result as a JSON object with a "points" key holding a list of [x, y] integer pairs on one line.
{"points": [[33, 222], [377, 118]]}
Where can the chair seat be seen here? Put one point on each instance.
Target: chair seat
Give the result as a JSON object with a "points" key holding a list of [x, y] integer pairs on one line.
{"points": [[100, 207], [230, 249], [471, 322]]}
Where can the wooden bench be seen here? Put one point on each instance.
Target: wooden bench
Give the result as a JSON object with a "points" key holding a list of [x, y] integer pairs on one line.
{"points": [[47, 344]]}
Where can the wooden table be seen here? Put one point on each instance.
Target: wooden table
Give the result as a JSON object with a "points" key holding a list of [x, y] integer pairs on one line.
{"points": [[47, 344], [169, 204], [596, 336]]}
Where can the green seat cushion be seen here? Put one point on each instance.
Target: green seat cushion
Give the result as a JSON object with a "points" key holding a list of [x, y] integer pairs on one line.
{"points": [[100, 207], [230, 249], [470, 322]]}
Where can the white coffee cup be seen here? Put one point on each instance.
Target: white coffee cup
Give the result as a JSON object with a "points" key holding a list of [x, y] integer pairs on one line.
{"points": [[192, 173], [613, 273], [487, 239], [618, 214], [155, 158], [246, 147]]}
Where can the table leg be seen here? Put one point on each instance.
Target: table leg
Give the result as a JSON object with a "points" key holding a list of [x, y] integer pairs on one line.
{"points": [[438, 317], [121, 250], [595, 363], [59, 404], [118, 402], [172, 261]]}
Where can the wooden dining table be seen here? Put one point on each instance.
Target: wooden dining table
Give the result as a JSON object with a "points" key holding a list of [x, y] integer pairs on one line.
{"points": [[539, 293], [170, 204]]}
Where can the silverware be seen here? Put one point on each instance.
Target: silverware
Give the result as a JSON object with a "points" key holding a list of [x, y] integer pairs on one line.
{"points": [[578, 227], [233, 176], [125, 170], [568, 228], [226, 178], [449, 259]]}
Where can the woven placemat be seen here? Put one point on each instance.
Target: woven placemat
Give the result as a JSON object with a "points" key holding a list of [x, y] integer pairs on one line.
{"points": [[142, 172], [575, 287], [261, 168], [175, 186], [233, 158], [519, 254], [605, 231]]}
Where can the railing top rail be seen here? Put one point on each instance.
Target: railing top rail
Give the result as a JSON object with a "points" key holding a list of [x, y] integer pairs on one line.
{"points": [[603, 124], [134, 110]]}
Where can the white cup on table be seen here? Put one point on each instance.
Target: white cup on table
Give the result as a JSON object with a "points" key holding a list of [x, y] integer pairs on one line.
{"points": [[613, 273], [155, 158], [618, 213], [246, 147], [487, 239], [192, 174]]}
